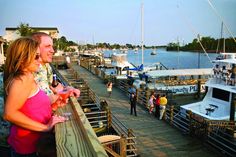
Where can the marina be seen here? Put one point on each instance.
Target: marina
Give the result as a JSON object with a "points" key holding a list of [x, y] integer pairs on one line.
{"points": [[184, 121], [161, 141], [153, 81]]}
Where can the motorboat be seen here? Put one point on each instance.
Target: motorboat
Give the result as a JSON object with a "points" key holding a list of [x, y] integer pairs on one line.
{"points": [[218, 103]]}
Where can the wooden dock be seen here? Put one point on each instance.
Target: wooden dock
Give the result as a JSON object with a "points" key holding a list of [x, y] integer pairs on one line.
{"points": [[154, 137]]}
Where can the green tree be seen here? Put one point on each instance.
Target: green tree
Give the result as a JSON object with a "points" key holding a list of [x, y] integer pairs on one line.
{"points": [[25, 30]]}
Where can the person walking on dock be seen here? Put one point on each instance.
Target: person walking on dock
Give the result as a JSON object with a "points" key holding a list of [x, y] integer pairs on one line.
{"points": [[133, 100], [163, 103], [109, 88], [157, 104], [151, 103]]}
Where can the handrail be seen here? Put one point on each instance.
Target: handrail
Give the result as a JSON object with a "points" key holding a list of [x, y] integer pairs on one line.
{"points": [[76, 137]]}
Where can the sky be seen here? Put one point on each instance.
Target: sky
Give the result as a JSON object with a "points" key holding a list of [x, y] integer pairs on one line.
{"points": [[119, 21]]}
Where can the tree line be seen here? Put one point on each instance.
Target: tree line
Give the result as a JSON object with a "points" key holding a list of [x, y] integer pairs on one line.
{"points": [[65, 45], [209, 44]]}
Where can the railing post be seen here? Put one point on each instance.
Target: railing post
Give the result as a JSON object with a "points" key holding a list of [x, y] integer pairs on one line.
{"points": [[137, 94], [130, 132], [109, 119], [123, 144], [207, 128], [171, 114], [147, 94], [189, 114], [104, 107]]}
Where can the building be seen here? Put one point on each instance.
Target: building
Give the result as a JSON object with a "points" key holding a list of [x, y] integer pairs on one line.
{"points": [[12, 33]]}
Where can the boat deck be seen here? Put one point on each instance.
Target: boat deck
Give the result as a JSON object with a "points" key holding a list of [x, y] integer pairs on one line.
{"points": [[154, 137]]}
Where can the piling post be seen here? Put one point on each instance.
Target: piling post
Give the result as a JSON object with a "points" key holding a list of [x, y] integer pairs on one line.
{"points": [[137, 94], [207, 126], [199, 87], [129, 141], [123, 144], [109, 119], [189, 114], [171, 114]]}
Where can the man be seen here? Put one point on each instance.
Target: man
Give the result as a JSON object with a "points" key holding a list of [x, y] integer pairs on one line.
{"points": [[44, 75], [133, 100]]}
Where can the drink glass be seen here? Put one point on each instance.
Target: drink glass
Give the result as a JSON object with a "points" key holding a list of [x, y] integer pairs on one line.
{"points": [[64, 94]]}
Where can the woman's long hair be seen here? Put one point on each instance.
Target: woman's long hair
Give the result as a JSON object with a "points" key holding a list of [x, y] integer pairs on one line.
{"points": [[20, 54]]}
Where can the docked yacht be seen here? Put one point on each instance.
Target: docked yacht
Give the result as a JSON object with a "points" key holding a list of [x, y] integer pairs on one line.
{"points": [[219, 102]]}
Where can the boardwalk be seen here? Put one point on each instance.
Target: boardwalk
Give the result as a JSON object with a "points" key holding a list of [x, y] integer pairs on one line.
{"points": [[155, 138]]}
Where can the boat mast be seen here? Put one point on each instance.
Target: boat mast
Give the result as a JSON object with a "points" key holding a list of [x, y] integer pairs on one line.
{"points": [[142, 33], [222, 34]]}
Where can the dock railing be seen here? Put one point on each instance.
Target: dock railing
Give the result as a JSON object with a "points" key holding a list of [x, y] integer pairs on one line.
{"points": [[218, 133], [100, 118], [76, 136]]}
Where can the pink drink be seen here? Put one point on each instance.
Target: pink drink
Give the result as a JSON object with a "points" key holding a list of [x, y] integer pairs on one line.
{"points": [[64, 95]]}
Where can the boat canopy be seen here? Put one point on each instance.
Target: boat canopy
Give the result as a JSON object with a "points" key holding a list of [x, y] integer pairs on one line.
{"points": [[229, 61], [179, 72]]}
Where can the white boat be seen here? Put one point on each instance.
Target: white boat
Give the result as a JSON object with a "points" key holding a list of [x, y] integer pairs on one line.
{"points": [[154, 52], [119, 60], [176, 81], [218, 104], [136, 50]]}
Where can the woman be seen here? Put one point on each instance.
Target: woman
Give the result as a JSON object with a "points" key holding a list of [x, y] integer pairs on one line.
{"points": [[157, 104], [151, 103], [26, 106]]}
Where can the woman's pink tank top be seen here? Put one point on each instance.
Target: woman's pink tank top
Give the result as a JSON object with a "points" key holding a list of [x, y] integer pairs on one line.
{"points": [[38, 108]]}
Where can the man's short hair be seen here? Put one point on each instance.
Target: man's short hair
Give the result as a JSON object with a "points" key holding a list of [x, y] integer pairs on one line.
{"points": [[37, 36]]}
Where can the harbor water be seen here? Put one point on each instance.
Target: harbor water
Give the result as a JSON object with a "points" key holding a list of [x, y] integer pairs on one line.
{"points": [[171, 59]]}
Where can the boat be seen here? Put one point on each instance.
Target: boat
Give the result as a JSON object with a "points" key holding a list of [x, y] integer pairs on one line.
{"points": [[176, 81], [136, 50], [154, 52], [218, 103]]}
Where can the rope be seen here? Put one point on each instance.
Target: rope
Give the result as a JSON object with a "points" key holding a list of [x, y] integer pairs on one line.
{"points": [[214, 9], [196, 34]]}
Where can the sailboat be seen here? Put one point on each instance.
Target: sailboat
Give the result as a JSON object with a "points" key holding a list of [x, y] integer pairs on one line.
{"points": [[221, 53]]}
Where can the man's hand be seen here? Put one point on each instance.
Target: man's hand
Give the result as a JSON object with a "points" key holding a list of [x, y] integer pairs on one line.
{"points": [[58, 88]]}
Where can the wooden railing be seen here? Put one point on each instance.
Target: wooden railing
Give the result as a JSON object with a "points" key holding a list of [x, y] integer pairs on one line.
{"points": [[76, 136], [218, 133], [100, 118]]}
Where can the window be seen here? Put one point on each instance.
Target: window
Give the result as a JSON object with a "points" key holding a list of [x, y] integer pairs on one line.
{"points": [[220, 94]]}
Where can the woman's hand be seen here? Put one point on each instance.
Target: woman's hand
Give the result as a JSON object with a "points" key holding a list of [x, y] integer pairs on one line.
{"points": [[54, 120]]}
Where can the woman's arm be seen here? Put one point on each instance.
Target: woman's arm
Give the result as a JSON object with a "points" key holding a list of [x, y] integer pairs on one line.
{"points": [[19, 91]]}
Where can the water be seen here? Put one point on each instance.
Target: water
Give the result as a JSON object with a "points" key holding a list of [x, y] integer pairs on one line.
{"points": [[171, 59]]}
